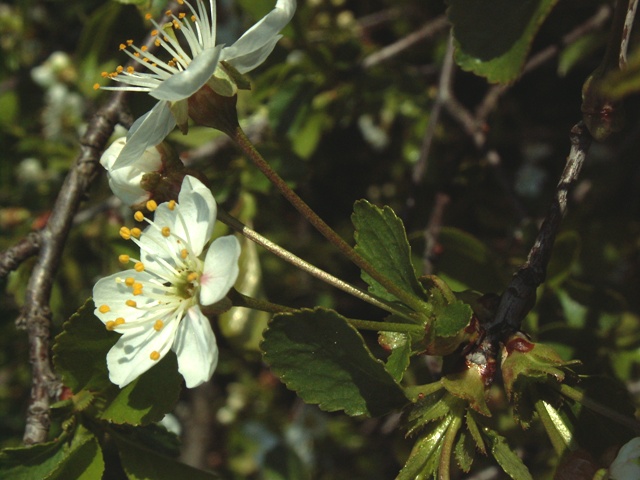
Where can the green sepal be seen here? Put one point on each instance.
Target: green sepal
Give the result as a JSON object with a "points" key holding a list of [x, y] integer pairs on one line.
{"points": [[506, 458], [425, 455]]}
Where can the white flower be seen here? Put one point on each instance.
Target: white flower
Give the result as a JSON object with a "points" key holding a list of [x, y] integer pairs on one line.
{"points": [[627, 464], [156, 305], [190, 68], [125, 181]]}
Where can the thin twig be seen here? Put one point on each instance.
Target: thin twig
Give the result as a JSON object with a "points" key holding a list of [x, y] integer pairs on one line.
{"points": [[443, 95], [428, 30], [626, 33], [13, 257], [432, 232], [520, 295], [301, 264]]}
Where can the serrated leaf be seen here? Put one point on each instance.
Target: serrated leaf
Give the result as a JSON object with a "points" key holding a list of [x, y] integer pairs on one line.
{"points": [[493, 37], [381, 240], [142, 463], [76, 455], [465, 452], [508, 460], [84, 461], [431, 408], [452, 319], [474, 431], [80, 353], [325, 361], [425, 455], [398, 360]]}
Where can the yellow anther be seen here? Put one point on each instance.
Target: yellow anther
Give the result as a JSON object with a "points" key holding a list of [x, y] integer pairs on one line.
{"points": [[129, 42], [119, 69], [193, 18], [157, 43], [145, 60], [110, 325], [168, 13], [96, 86], [154, 32], [137, 54], [139, 267], [137, 289], [130, 69], [139, 216], [155, 355], [171, 204], [125, 233], [136, 232], [180, 2], [104, 308], [184, 253], [119, 321], [131, 303], [192, 277], [122, 46], [176, 24], [129, 281], [158, 325], [182, 15], [124, 259], [147, 16], [154, 64], [152, 205], [166, 231], [104, 74]]}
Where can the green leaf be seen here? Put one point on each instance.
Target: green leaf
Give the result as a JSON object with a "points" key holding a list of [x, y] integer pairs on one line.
{"points": [[382, 241], [508, 460], [452, 319], [472, 427], [84, 461], [78, 457], [465, 452], [398, 361], [141, 463], [80, 353], [320, 356], [493, 37], [425, 455], [621, 83]]}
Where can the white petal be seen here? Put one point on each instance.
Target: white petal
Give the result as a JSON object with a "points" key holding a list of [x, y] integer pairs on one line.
{"points": [[196, 348], [198, 209], [130, 356], [110, 155], [220, 269], [261, 34], [246, 63], [184, 84], [113, 293], [125, 184], [147, 131]]}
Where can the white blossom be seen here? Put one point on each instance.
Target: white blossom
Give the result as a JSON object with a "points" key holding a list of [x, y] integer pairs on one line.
{"points": [[626, 465], [200, 62], [156, 304]]}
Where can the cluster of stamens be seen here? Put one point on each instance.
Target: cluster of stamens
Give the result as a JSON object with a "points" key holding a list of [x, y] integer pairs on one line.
{"points": [[180, 282], [159, 68]]}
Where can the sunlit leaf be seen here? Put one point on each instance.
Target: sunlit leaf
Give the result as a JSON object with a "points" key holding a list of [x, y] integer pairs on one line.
{"points": [[493, 37], [508, 460], [325, 361]]}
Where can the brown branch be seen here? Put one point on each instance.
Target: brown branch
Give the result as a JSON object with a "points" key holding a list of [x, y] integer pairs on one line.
{"points": [[519, 297], [427, 30], [36, 314], [626, 33], [35, 317], [13, 257]]}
